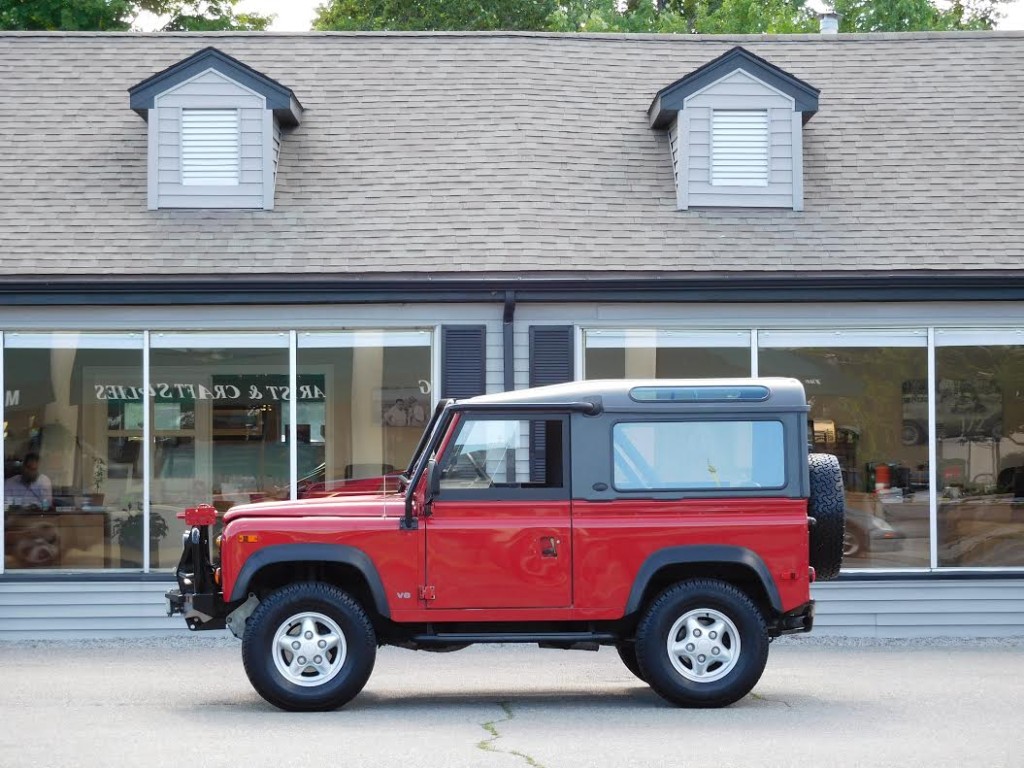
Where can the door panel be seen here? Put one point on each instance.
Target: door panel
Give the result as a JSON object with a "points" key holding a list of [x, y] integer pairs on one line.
{"points": [[500, 530], [505, 554]]}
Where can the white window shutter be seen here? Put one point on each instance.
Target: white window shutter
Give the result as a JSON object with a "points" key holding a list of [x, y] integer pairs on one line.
{"points": [[739, 147], [210, 143]]}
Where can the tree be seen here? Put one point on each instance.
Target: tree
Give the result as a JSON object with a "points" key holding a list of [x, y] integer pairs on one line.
{"points": [[663, 16], [434, 15], [120, 15]]}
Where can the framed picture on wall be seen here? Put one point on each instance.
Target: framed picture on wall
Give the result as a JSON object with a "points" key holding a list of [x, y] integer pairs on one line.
{"points": [[402, 406]]}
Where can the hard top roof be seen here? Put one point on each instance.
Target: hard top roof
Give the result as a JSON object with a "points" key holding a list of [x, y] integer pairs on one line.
{"points": [[614, 394]]}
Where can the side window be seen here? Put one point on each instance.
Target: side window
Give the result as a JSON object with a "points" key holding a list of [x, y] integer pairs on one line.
{"points": [[505, 453], [698, 455]]}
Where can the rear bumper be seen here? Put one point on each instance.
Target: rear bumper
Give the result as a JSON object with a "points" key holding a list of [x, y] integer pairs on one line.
{"points": [[798, 620]]}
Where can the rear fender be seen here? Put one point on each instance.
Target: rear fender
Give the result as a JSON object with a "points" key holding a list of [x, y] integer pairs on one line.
{"points": [[701, 554]]}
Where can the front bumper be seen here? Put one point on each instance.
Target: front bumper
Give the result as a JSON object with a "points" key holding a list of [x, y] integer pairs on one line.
{"points": [[200, 611], [198, 597]]}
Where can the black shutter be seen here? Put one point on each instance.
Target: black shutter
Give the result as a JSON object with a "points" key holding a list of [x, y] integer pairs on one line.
{"points": [[551, 354], [551, 362], [463, 360]]}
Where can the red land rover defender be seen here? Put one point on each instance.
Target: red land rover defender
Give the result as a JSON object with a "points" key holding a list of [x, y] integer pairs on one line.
{"points": [[681, 522]]}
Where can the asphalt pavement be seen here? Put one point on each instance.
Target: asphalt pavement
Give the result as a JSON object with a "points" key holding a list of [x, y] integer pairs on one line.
{"points": [[185, 702]]}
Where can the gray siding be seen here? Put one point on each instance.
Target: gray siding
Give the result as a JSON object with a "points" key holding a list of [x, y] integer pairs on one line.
{"points": [[735, 91], [921, 608], [884, 609], [211, 91]]}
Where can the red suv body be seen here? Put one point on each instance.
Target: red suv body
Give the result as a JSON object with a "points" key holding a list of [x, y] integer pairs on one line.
{"points": [[669, 519]]}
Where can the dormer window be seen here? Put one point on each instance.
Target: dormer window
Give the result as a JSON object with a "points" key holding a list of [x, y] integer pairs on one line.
{"points": [[215, 128], [736, 133]]}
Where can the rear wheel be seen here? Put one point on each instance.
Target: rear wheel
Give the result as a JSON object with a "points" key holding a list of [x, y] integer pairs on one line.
{"points": [[309, 646], [702, 643]]}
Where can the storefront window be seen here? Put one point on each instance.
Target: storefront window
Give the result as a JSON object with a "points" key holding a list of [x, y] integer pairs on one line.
{"points": [[72, 450], [869, 407], [218, 421], [665, 354], [980, 431], [375, 399]]}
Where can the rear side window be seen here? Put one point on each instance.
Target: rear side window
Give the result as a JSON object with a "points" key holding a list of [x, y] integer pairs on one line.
{"points": [[698, 455]]}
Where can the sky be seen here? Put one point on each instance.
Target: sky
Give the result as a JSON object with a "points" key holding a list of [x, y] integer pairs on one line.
{"points": [[297, 15]]}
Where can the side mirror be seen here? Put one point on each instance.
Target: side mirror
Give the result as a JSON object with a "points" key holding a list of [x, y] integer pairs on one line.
{"points": [[433, 480]]}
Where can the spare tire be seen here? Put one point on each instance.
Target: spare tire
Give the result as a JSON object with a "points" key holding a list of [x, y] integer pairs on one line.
{"points": [[827, 506]]}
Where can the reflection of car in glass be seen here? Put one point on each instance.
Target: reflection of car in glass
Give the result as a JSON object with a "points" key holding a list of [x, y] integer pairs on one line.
{"points": [[314, 484], [965, 409], [865, 533]]}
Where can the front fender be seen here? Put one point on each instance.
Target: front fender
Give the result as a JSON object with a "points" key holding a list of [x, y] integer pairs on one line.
{"points": [[310, 553]]}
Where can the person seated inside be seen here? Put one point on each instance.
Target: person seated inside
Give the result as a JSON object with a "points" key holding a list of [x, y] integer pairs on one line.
{"points": [[30, 488]]}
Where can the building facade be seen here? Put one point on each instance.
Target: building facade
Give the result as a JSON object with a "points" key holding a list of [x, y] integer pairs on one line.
{"points": [[242, 267]]}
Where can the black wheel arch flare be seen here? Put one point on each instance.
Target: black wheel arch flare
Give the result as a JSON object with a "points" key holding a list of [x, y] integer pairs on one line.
{"points": [[309, 553], [701, 554]]}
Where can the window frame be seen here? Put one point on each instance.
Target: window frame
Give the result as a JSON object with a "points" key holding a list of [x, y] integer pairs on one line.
{"points": [[509, 492]]}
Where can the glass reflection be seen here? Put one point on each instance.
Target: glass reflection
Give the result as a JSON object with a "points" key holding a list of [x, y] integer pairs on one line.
{"points": [[980, 425], [72, 460], [862, 400]]}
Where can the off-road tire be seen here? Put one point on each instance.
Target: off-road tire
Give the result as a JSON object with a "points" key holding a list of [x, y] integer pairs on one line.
{"points": [[827, 505], [258, 647], [627, 652], [653, 637]]}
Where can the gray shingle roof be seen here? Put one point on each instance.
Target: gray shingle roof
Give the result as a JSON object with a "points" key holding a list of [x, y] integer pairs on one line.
{"points": [[517, 153]]}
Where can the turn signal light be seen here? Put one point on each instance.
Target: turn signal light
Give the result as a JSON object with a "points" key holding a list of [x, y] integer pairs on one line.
{"points": [[219, 541], [216, 577], [248, 538]]}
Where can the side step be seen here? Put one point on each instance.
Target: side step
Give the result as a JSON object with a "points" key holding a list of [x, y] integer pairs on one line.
{"points": [[560, 638]]}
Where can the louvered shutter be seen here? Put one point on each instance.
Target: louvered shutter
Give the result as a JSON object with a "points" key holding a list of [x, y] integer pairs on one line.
{"points": [[739, 147], [210, 147], [551, 362], [463, 360]]}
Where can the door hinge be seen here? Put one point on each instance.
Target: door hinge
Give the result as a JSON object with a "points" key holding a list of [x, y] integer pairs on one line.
{"points": [[428, 593]]}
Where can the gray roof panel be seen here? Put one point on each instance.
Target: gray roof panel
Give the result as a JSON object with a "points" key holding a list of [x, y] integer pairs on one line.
{"points": [[517, 154]]}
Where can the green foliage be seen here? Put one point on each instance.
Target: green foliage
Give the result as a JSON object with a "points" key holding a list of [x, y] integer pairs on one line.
{"points": [[746, 17], [120, 15], [434, 15], [916, 15]]}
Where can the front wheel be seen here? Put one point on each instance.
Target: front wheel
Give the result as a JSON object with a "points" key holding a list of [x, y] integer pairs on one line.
{"points": [[308, 647], [702, 643]]}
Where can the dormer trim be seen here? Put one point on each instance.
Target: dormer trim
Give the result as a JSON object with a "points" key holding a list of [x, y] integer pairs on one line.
{"points": [[279, 99], [671, 99]]}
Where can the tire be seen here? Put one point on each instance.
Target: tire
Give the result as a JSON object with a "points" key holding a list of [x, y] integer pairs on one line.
{"points": [[300, 611], [696, 610], [827, 505], [912, 433], [627, 652], [854, 542]]}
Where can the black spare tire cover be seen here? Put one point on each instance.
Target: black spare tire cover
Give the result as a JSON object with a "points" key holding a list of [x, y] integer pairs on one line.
{"points": [[827, 506]]}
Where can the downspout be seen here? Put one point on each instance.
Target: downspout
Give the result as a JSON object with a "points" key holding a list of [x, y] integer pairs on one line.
{"points": [[508, 371], [508, 338]]}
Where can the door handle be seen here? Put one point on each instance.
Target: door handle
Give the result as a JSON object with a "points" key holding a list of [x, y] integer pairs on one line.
{"points": [[550, 546]]}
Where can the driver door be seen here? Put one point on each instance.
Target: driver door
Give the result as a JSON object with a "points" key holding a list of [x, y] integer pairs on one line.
{"points": [[500, 530]]}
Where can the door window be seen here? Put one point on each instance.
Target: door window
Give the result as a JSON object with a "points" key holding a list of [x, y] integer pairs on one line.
{"points": [[494, 454]]}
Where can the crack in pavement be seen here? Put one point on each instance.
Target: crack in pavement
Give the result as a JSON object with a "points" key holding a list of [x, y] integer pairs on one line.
{"points": [[765, 699], [487, 745]]}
